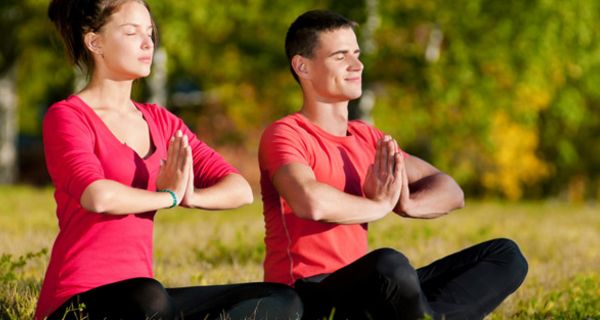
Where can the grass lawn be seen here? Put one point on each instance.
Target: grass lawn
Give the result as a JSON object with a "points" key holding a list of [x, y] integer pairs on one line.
{"points": [[560, 241]]}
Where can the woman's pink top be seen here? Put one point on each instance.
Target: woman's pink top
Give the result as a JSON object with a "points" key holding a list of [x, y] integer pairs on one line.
{"points": [[94, 249]]}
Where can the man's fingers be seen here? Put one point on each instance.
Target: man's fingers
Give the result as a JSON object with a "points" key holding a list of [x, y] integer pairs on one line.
{"points": [[383, 157], [390, 156], [397, 165], [405, 190], [378, 154], [369, 171]]}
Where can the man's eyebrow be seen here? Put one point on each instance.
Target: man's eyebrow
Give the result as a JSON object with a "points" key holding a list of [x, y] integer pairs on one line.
{"points": [[338, 52], [342, 52]]}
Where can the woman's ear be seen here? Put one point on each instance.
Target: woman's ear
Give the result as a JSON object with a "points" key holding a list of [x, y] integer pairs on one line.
{"points": [[300, 66], [92, 42]]}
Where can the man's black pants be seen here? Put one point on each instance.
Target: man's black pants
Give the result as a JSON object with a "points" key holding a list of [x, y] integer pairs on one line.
{"points": [[383, 285]]}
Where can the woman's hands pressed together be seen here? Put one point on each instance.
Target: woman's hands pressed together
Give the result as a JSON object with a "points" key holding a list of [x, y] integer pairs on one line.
{"points": [[176, 173]]}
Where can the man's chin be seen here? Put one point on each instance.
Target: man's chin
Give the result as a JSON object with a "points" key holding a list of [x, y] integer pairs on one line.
{"points": [[355, 95]]}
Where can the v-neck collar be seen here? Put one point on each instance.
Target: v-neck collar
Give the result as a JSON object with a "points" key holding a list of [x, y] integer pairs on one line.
{"points": [[101, 123]]}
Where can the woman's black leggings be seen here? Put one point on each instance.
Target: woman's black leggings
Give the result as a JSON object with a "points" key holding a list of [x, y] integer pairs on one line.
{"points": [[383, 285], [145, 298]]}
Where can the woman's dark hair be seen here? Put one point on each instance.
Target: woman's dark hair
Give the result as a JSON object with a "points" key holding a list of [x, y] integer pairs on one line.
{"points": [[303, 34], [74, 18]]}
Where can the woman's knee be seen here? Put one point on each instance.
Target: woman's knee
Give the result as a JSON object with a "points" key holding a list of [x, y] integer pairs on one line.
{"points": [[137, 298], [281, 302], [286, 296], [149, 297]]}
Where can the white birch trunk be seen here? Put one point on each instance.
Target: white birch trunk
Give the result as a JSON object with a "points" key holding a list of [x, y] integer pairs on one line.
{"points": [[8, 128]]}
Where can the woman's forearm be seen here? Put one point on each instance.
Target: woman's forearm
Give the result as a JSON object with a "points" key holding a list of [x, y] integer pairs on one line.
{"points": [[232, 191], [111, 197]]}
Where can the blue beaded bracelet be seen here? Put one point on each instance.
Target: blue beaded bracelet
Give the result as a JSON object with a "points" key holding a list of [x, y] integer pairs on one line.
{"points": [[173, 195]]}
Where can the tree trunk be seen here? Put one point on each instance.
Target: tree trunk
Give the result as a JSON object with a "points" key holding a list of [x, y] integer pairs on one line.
{"points": [[361, 109], [158, 78], [8, 128]]}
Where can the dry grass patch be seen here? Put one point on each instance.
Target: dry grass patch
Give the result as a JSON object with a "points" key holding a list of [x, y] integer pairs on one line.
{"points": [[560, 241]]}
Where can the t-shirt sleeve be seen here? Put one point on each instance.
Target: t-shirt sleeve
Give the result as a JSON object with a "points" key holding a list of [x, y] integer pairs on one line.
{"points": [[281, 144], [69, 150], [209, 165]]}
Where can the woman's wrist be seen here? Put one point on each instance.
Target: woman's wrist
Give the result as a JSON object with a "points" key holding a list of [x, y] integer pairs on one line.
{"points": [[174, 199], [189, 199]]}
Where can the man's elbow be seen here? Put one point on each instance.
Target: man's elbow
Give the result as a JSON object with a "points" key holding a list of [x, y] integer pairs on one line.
{"points": [[460, 199], [309, 210]]}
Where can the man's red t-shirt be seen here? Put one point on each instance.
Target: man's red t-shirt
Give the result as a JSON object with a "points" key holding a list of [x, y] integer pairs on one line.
{"points": [[298, 248]]}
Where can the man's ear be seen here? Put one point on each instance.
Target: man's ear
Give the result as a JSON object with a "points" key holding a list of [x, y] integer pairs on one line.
{"points": [[92, 42], [301, 66]]}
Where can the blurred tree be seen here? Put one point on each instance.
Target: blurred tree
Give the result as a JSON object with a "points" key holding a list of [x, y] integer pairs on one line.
{"points": [[43, 72], [229, 57], [10, 16], [37, 73], [487, 108], [502, 95]]}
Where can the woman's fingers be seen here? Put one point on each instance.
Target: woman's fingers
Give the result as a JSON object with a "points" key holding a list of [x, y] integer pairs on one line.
{"points": [[179, 151], [168, 163], [183, 164], [175, 163], [173, 151], [189, 184], [176, 153], [177, 170], [183, 153]]}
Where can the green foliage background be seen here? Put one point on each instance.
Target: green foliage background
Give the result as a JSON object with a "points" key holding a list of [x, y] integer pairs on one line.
{"points": [[510, 107]]}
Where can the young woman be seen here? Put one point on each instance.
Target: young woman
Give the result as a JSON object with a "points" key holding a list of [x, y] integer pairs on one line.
{"points": [[114, 163]]}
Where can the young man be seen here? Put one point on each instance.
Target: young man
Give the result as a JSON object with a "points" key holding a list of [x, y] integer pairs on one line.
{"points": [[324, 178]]}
